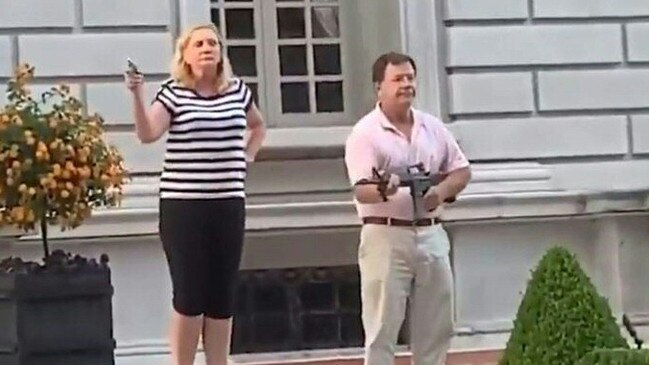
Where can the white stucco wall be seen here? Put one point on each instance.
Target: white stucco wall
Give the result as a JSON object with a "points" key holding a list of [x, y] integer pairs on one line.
{"points": [[548, 98]]}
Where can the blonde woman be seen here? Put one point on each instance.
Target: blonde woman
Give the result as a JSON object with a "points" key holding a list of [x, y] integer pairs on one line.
{"points": [[206, 112]]}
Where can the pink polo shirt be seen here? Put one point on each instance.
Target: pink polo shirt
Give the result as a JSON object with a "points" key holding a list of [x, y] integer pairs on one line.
{"points": [[375, 142]]}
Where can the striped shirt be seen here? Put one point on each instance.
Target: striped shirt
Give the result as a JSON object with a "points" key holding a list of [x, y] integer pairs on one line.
{"points": [[205, 151]]}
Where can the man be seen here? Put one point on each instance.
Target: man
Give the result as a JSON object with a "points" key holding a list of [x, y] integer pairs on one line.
{"points": [[403, 255]]}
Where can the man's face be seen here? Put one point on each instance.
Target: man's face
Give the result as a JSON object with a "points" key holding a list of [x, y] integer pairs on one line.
{"points": [[398, 85]]}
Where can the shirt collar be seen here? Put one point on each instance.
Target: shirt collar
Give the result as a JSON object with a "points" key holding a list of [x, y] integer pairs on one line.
{"points": [[385, 123]]}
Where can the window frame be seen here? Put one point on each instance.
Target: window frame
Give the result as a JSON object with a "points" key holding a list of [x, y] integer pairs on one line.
{"points": [[257, 42], [274, 79], [268, 77]]}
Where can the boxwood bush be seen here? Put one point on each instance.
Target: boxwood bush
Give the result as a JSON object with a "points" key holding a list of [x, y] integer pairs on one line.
{"points": [[616, 357], [561, 317]]}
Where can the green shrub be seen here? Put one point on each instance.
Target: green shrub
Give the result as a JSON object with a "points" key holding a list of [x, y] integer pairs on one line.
{"points": [[561, 317], [616, 357]]}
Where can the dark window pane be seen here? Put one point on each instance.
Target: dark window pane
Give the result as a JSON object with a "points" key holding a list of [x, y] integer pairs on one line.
{"points": [[329, 96], [295, 97], [243, 59], [324, 21], [240, 23], [327, 59], [216, 18], [290, 23], [292, 60], [253, 88]]}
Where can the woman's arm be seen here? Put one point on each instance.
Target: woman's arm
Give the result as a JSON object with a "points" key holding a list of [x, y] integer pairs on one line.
{"points": [[257, 130], [150, 124]]}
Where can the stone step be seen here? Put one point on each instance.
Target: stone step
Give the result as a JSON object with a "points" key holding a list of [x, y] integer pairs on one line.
{"points": [[481, 357]]}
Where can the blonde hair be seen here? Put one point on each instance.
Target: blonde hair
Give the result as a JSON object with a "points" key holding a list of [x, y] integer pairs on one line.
{"points": [[181, 71]]}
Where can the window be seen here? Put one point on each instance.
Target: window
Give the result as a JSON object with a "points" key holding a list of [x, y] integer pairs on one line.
{"points": [[239, 24], [289, 52]]}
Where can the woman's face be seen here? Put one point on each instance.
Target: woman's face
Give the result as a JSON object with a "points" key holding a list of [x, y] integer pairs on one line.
{"points": [[203, 51]]}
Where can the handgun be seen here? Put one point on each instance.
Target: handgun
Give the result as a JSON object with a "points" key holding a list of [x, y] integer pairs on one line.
{"points": [[132, 67]]}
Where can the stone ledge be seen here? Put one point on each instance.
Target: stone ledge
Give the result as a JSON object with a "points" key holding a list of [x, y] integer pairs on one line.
{"points": [[355, 357], [469, 209]]}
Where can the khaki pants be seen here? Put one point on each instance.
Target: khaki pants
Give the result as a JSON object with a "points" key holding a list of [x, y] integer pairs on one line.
{"points": [[400, 265]]}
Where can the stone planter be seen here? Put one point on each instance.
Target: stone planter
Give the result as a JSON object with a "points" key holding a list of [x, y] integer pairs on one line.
{"points": [[55, 316]]}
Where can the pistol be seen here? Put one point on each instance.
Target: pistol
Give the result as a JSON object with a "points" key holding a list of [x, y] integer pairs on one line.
{"points": [[132, 67]]}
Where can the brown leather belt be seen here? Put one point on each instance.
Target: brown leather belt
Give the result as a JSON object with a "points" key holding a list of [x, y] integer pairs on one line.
{"points": [[386, 221]]}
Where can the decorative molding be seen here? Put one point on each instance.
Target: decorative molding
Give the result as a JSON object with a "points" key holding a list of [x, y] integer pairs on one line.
{"points": [[469, 209], [521, 191]]}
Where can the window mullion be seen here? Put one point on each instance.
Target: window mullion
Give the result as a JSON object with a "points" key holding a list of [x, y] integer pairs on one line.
{"points": [[271, 62], [260, 53], [309, 56]]}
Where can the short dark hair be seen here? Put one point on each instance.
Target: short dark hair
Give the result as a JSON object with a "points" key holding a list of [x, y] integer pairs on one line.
{"points": [[390, 58]]}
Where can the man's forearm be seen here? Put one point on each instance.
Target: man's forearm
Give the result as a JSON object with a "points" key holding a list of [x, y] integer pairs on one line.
{"points": [[453, 184], [367, 194]]}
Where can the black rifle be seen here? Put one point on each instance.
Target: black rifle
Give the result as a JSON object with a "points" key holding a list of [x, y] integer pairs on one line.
{"points": [[419, 181], [414, 177]]}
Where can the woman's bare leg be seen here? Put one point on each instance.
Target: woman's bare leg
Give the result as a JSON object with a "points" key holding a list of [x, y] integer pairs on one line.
{"points": [[216, 340], [183, 338]]}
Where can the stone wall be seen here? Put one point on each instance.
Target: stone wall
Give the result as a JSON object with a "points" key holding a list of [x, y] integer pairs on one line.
{"points": [[549, 79]]}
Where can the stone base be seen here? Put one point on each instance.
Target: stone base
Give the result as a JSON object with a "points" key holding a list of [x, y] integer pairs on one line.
{"points": [[343, 357]]}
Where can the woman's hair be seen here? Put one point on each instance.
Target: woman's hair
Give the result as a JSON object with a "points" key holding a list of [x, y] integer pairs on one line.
{"points": [[182, 72]]}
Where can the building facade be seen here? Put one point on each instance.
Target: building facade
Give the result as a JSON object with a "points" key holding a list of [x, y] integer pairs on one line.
{"points": [[548, 98]]}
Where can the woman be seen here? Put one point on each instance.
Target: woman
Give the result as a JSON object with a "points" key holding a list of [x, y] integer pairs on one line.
{"points": [[202, 212]]}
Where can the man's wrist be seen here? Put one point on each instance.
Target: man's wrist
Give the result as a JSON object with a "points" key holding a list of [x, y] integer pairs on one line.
{"points": [[441, 192]]}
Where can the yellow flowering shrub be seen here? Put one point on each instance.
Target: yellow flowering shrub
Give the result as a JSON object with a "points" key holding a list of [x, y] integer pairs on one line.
{"points": [[55, 166]]}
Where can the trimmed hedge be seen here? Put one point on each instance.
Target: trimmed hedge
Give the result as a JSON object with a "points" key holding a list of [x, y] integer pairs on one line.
{"points": [[616, 357], [561, 317]]}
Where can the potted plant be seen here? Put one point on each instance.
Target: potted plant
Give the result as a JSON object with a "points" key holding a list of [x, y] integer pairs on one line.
{"points": [[55, 168]]}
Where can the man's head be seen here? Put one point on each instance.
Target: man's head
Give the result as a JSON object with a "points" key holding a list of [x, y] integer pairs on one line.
{"points": [[393, 75]]}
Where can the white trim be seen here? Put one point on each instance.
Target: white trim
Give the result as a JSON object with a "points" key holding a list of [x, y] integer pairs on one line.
{"points": [[192, 12], [422, 34]]}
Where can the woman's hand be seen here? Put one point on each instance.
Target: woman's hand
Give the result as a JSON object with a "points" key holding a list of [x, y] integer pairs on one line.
{"points": [[134, 81]]}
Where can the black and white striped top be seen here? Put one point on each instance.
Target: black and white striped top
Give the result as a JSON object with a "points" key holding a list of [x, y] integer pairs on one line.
{"points": [[205, 156]]}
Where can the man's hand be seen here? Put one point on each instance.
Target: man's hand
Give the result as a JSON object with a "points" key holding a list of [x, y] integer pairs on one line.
{"points": [[393, 185], [367, 191], [432, 199]]}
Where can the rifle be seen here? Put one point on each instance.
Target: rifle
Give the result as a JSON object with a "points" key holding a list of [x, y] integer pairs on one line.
{"points": [[414, 177]]}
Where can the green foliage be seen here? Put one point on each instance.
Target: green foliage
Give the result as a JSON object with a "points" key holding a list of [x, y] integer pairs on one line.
{"points": [[561, 317], [616, 357]]}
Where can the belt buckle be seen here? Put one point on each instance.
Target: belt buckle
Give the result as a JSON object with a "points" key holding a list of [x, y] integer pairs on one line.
{"points": [[389, 221]]}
